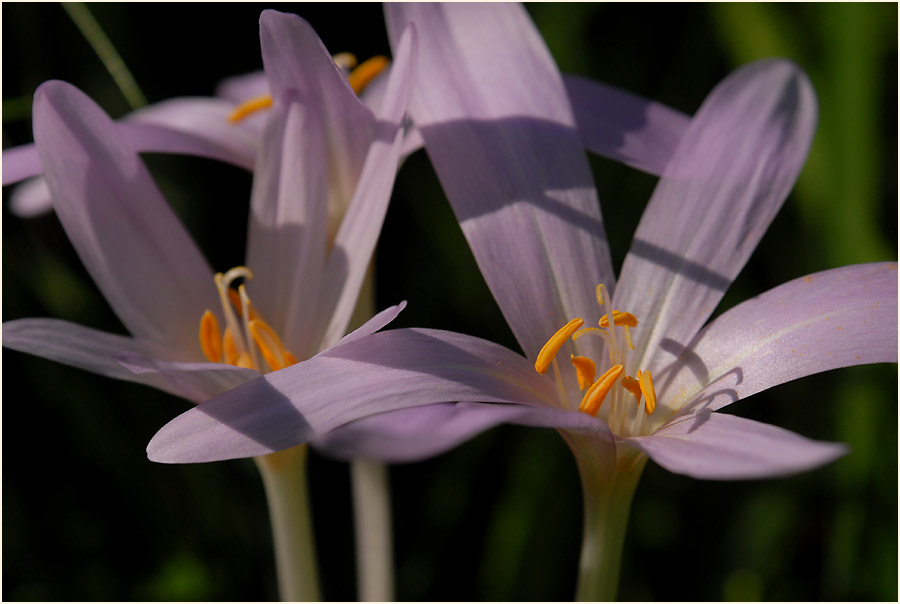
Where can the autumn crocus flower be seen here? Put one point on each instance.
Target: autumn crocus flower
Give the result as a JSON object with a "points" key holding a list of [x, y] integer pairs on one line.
{"points": [[194, 333], [503, 142]]}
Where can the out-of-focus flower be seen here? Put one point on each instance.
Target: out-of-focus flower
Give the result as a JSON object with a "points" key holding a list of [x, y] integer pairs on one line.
{"points": [[611, 122]]}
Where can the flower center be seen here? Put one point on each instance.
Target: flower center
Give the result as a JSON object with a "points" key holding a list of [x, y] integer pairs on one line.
{"points": [[358, 76], [246, 337], [614, 384]]}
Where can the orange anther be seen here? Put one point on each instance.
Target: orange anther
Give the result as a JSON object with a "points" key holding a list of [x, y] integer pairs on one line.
{"points": [[595, 395], [551, 348]]}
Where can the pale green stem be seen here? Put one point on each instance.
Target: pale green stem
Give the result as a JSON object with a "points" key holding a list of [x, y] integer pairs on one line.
{"points": [[101, 44], [371, 496], [607, 502], [284, 478], [372, 518]]}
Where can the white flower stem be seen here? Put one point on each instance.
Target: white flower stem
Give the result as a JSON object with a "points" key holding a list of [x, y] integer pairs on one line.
{"points": [[607, 502], [284, 478], [372, 518]]}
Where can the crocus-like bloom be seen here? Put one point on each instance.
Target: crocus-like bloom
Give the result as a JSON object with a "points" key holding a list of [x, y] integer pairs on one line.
{"points": [[324, 168], [503, 141], [323, 176], [533, 222]]}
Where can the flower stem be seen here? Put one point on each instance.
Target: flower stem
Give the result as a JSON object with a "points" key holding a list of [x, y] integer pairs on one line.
{"points": [[607, 502], [372, 517], [284, 478]]}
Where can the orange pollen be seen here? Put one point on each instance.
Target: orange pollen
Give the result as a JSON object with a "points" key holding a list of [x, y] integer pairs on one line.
{"points": [[595, 395], [640, 386], [548, 352], [619, 318], [586, 370], [646, 382]]}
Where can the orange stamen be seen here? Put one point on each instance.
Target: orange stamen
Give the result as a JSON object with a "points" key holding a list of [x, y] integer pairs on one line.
{"points": [[595, 395], [210, 340], [586, 370], [250, 106], [632, 385], [646, 381], [270, 345], [363, 75], [551, 348]]}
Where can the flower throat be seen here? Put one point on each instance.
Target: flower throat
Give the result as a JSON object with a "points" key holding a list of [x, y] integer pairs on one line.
{"points": [[247, 340], [614, 382]]}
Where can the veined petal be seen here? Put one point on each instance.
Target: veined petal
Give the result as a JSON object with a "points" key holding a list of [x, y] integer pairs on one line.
{"points": [[296, 59], [288, 231], [195, 382], [729, 175], [497, 125], [128, 238], [623, 126], [81, 347], [359, 230], [376, 323], [189, 126], [420, 432], [837, 318], [383, 372], [121, 358], [373, 97], [716, 446]]}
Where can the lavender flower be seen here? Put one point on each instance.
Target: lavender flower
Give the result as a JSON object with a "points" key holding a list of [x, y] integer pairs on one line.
{"points": [[503, 141], [324, 171]]}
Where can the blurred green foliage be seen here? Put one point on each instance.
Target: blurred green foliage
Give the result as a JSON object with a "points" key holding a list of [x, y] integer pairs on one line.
{"points": [[87, 517]]}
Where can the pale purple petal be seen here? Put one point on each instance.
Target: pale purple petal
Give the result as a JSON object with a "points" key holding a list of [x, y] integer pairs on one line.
{"points": [[195, 126], [355, 241], [412, 142], [623, 126], [82, 347], [288, 231], [383, 372], [730, 174], [238, 89], [189, 126], [20, 163], [497, 125], [837, 318], [128, 238], [295, 59], [376, 323], [420, 432], [373, 96], [186, 126], [31, 198], [195, 382], [716, 446]]}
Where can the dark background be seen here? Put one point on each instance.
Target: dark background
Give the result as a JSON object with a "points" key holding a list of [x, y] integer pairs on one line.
{"points": [[87, 517]]}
